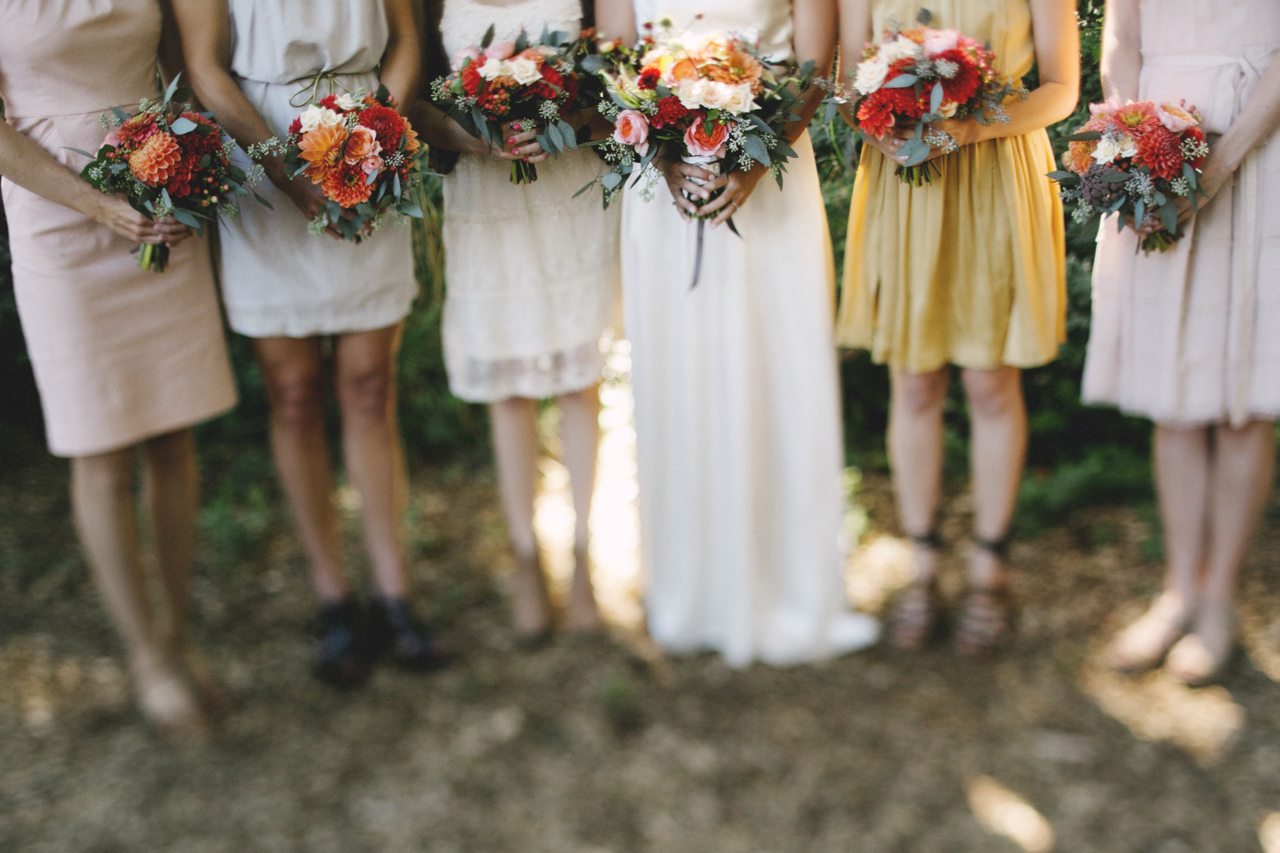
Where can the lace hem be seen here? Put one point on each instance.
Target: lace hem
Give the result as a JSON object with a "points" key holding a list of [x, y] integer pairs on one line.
{"points": [[545, 376]]}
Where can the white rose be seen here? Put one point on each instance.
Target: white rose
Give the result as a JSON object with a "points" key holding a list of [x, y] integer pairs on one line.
{"points": [[715, 95], [525, 71], [495, 68], [348, 101], [900, 48], [691, 94], [1112, 147], [315, 116], [741, 100], [871, 76]]}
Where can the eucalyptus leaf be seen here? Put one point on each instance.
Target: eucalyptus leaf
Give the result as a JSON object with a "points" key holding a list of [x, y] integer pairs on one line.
{"points": [[182, 126]]}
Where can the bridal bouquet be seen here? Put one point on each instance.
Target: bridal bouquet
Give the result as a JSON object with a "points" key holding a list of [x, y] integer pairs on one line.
{"points": [[1136, 160], [535, 83], [922, 75], [169, 161], [361, 152], [709, 100]]}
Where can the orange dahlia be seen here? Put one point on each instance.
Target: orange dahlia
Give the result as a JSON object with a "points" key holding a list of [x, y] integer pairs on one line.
{"points": [[323, 148], [156, 161], [348, 185]]}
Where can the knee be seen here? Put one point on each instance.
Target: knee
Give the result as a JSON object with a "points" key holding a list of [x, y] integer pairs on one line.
{"points": [[297, 399], [367, 394], [104, 473], [920, 395], [993, 393], [172, 449]]}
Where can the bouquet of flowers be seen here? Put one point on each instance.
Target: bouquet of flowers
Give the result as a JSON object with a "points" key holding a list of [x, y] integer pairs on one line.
{"points": [[710, 100], [1136, 160], [169, 160], [537, 83], [361, 152], [922, 75]]}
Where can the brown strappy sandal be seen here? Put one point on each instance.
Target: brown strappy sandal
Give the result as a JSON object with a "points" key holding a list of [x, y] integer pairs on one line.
{"points": [[986, 620], [916, 612]]}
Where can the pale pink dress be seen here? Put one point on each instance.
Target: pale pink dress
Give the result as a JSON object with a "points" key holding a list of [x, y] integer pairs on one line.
{"points": [[120, 354], [1192, 337]]}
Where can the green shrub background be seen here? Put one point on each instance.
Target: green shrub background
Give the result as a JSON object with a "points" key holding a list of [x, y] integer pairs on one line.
{"points": [[1078, 454]]}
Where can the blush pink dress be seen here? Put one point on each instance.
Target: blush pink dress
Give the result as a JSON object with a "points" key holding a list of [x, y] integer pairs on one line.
{"points": [[1191, 337], [120, 354]]}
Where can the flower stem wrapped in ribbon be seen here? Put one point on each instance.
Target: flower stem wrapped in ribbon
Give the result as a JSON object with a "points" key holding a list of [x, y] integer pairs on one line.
{"points": [[530, 82], [1135, 161], [168, 160], [707, 99]]}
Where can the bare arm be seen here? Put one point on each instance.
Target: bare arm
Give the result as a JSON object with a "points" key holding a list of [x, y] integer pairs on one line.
{"points": [[402, 62], [1121, 50], [205, 26], [616, 19]]}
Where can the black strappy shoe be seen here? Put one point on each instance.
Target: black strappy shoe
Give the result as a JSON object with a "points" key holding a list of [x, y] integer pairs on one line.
{"points": [[986, 620], [341, 645], [395, 631], [916, 614]]}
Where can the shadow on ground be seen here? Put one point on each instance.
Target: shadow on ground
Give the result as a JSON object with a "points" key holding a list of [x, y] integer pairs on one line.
{"points": [[604, 746]]}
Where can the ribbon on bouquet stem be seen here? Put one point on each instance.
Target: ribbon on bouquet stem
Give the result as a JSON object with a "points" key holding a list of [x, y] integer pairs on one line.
{"points": [[712, 165]]}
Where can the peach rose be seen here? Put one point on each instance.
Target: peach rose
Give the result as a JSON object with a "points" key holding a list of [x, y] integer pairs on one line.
{"points": [[1176, 118], [632, 130], [362, 143], [500, 50], [703, 144]]}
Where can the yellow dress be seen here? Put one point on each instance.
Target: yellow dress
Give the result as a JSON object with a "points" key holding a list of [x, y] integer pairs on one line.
{"points": [[970, 269]]}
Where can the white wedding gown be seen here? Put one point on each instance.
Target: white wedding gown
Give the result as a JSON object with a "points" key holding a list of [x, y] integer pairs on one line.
{"points": [[737, 406]]}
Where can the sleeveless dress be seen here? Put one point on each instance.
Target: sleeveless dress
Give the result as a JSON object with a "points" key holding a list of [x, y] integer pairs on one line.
{"points": [[970, 269], [278, 279], [531, 273], [120, 354], [737, 406], [1191, 337]]}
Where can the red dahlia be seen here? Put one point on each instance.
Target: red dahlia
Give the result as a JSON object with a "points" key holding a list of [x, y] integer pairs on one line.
{"points": [[670, 111], [1161, 153], [964, 85], [388, 124]]}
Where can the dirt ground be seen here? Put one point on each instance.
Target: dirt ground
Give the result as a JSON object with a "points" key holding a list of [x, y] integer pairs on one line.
{"points": [[603, 746]]}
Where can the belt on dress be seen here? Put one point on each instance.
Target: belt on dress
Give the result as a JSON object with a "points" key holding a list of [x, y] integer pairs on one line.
{"points": [[1242, 320]]}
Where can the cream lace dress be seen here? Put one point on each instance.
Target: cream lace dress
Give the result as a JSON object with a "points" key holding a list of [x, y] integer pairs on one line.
{"points": [[531, 273]]}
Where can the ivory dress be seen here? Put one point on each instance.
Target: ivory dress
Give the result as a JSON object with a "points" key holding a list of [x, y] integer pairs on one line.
{"points": [[968, 270], [1192, 336], [278, 279], [531, 272], [737, 406], [120, 354]]}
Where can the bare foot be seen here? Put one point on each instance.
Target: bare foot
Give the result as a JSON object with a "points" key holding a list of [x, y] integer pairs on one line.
{"points": [[167, 700], [531, 606], [582, 613], [1146, 642], [1199, 658]]}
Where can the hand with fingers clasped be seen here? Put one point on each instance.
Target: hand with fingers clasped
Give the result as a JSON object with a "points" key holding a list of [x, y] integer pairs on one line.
{"points": [[118, 215], [694, 190]]}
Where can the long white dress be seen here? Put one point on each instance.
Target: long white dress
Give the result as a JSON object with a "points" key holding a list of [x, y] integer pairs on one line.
{"points": [[532, 272], [737, 412], [278, 279]]}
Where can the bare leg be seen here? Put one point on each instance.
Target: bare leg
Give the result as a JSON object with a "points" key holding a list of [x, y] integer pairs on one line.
{"points": [[580, 430], [366, 382], [514, 425], [105, 515], [293, 371], [1242, 476], [171, 487], [1183, 470], [915, 453], [998, 450]]}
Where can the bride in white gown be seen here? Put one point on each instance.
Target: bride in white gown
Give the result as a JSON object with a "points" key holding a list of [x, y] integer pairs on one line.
{"points": [[737, 399]]}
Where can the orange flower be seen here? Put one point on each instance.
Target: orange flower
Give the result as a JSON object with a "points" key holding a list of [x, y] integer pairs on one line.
{"points": [[323, 148], [348, 185], [685, 69], [362, 143], [156, 161], [411, 141]]}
